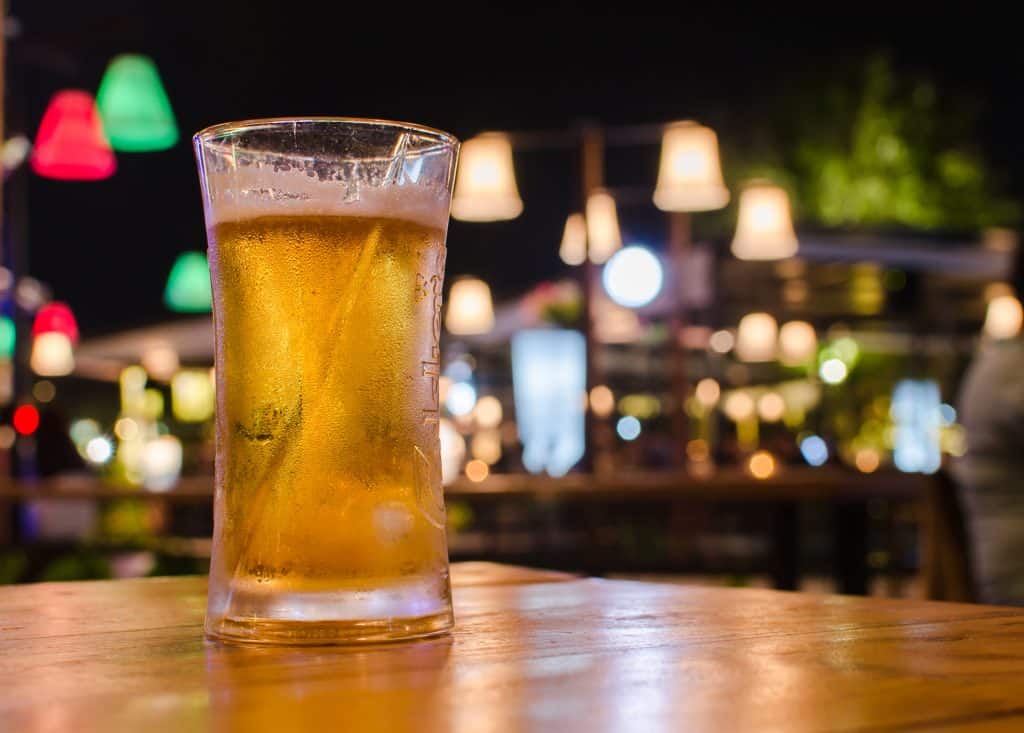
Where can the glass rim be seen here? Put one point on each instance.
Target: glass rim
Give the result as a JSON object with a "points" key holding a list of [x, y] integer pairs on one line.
{"points": [[213, 133]]}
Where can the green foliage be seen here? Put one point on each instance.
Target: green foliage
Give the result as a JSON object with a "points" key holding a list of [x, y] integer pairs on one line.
{"points": [[877, 149]]}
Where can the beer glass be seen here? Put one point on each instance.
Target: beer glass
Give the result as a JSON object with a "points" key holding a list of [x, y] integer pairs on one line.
{"points": [[327, 247]]}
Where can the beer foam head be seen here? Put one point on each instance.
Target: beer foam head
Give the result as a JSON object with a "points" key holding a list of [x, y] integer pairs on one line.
{"points": [[254, 191], [326, 167]]}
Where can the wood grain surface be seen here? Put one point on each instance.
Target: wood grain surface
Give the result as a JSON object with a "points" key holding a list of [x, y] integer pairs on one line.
{"points": [[531, 651]]}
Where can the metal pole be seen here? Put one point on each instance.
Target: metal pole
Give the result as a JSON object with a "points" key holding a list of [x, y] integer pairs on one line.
{"points": [[680, 238], [592, 162]]}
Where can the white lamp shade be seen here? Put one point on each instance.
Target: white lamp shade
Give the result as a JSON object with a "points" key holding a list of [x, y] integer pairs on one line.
{"points": [[756, 337], [798, 343], [602, 226], [470, 311], [52, 355], [764, 229], [690, 174], [485, 186], [1003, 317], [574, 240]]}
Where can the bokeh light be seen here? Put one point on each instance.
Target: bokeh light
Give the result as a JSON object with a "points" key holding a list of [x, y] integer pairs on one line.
{"points": [[628, 428], [461, 398], [486, 446], [633, 277], [833, 371], [44, 391], [99, 450], [867, 460], [602, 400], [488, 412], [708, 392], [25, 419], [814, 450], [738, 406], [721, 342], [477, 470], [761, 465], [771, 407]]}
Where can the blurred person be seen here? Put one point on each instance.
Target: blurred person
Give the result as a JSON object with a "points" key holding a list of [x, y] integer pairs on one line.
{"points": [[990, 476]]}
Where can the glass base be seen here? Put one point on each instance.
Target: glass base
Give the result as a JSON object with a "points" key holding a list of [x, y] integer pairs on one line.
{"points": [[259, 613]]}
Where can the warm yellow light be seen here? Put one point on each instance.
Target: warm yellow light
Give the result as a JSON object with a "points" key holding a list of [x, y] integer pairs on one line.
{"points": [[126, 429], [764, 229], [761, 465], [485, 187], [698, 450], [488, 412], [756, 337], [721, 342], [642, 406], [602, 400], [477, 470], [1003, 317], [470, 310], [153, 404], [52, 355], [738, 406], [443, 385], [574, 240], [133, 388], [798, 343], [160, 361], [690, 175], [866, 460], [486, 446], [192, 397], [771, 407], [708, 391], [602, 227]]}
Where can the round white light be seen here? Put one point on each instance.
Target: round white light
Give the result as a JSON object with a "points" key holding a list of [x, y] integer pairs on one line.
{"points": [[461, 398], [628, 427], [99, 450], [832, 371], [633, 276]]}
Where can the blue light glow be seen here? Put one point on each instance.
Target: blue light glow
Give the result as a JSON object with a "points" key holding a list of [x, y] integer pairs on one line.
{"points": [[915, 410], [461, 398], [628, 427], [814, 450], [549, 371]]}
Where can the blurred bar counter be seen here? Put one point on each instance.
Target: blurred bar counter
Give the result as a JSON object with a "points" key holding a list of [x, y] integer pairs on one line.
{"points": [[800, 522]]}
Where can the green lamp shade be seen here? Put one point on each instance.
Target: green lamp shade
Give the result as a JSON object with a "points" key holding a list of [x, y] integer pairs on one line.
{"points": [[188, 286], [136, 112], [7, 338]]}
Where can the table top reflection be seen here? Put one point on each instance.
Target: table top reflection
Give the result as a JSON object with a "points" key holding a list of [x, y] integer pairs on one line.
{"points": [[532, 650]]}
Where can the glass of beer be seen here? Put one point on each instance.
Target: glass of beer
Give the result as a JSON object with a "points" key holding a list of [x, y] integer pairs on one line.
{"points": [[327, 249]]}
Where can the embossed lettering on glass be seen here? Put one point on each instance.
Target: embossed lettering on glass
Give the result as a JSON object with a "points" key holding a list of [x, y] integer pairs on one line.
{"points": [[327, 249]]}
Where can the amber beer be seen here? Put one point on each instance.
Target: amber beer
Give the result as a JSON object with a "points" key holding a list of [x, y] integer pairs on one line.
{"points": [[330, 520]]}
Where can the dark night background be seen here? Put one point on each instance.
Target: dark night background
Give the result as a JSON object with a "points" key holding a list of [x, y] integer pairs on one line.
{"points": [[107, 247]]}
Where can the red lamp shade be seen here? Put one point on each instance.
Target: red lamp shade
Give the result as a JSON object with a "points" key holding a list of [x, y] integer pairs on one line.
{"points": [[70, 144], [56, 317]]}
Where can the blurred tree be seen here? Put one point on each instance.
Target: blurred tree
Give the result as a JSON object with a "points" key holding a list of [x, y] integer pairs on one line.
{"points": [[877, 149]]}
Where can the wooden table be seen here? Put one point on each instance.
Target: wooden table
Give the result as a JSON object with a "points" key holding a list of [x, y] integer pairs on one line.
{"points": [[532, 650]]}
